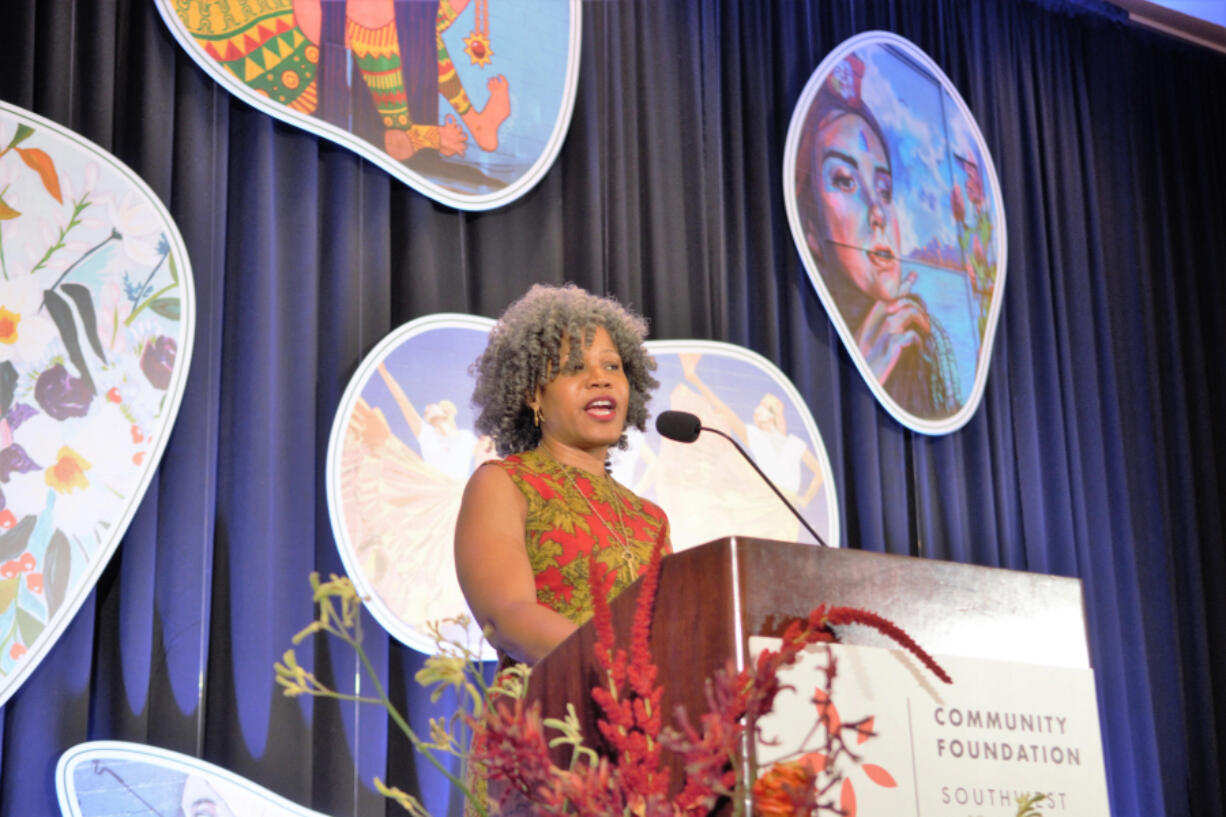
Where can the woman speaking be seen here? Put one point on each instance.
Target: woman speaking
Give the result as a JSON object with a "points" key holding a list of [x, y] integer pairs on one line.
{"points": [[564, 374]]}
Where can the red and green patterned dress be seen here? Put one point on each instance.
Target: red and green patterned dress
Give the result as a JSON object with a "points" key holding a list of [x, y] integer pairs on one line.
{"points": [[571, 513]]}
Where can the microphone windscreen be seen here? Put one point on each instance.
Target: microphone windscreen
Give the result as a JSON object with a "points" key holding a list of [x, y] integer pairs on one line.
{"points": [[679, 425]]}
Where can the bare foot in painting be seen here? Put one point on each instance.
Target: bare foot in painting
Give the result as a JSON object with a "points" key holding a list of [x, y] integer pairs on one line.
{"points": [[484, 123]]}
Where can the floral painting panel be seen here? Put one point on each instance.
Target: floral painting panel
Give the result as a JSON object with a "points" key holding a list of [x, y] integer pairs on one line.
{"points": [[96, 323]]}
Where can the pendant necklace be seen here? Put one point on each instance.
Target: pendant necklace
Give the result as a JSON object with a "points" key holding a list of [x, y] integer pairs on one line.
{"points": [[622, 540]]}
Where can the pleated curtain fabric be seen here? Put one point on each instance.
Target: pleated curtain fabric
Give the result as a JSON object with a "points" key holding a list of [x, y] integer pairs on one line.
{"points": [[1097, 451]]}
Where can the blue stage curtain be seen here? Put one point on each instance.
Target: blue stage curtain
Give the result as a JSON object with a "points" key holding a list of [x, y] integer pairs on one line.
{"points": [[1095, 452]]}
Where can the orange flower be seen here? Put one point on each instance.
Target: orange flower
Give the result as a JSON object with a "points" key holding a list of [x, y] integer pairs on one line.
{"points": [[786, 790], [68, 473], [8, 325]]}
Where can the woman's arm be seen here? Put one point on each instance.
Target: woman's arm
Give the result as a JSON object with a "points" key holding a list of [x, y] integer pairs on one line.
{"points": [[689, 366], [494, 572], [406, 406], [815, 484]]}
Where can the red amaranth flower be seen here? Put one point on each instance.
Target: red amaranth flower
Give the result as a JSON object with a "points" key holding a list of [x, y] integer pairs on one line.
{"points": [[642, 669], [509, 745], [823, 617], [632, 719]]}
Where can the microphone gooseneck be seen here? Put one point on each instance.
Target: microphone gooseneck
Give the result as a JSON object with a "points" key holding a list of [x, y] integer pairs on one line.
{"points": [[683, 427]]}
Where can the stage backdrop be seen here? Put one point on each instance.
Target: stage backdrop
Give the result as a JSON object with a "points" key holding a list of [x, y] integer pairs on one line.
{"points": [[1093, 452], [403, 446]]}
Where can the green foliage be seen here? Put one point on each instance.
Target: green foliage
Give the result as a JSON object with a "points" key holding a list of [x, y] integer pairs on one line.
{"points": [[166, 307], [454, 666], [1028, 805]]}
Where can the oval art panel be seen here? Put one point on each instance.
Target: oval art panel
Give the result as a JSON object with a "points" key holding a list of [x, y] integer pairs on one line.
{"points": [[97, 312], [118, 779], [403, 446], [894, 204], [465, 101], [706, 487], [401, 450]]}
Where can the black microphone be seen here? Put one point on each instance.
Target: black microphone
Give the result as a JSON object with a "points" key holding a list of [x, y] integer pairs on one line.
{"points": [[684, 427], [679, 425]]}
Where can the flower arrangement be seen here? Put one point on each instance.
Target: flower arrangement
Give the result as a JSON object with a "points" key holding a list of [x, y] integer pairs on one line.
{"points": [[626, 776]]}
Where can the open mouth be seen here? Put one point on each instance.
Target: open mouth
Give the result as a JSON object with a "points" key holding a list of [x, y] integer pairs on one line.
{"points": [[882, 256], [602, 408]]}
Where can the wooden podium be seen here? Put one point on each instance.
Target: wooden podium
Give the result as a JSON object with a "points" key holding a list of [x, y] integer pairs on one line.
{"points": [[713, 597]]}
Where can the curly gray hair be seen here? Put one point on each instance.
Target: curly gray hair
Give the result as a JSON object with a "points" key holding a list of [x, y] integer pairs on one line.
{"points": [[526, 345]]}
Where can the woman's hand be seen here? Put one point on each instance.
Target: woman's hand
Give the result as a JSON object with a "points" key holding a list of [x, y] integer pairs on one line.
{"points": [[689, 365], [890, 328]]}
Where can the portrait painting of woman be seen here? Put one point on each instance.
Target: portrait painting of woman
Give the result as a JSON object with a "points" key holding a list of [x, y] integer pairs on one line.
{"points": [[880, 168]]}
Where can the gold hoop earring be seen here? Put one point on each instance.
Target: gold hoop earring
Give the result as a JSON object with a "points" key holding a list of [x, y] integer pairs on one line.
{"points": [[536, 416]]}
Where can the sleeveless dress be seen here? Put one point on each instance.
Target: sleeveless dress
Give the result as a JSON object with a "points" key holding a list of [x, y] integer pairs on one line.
{"points": [[571, 513]]}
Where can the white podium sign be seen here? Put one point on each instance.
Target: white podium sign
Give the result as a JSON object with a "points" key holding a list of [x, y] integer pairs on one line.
{"points": [[1000, 731]]}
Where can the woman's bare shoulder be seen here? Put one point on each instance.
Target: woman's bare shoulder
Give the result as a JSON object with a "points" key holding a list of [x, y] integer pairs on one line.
{"points": [[491, 492]]}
